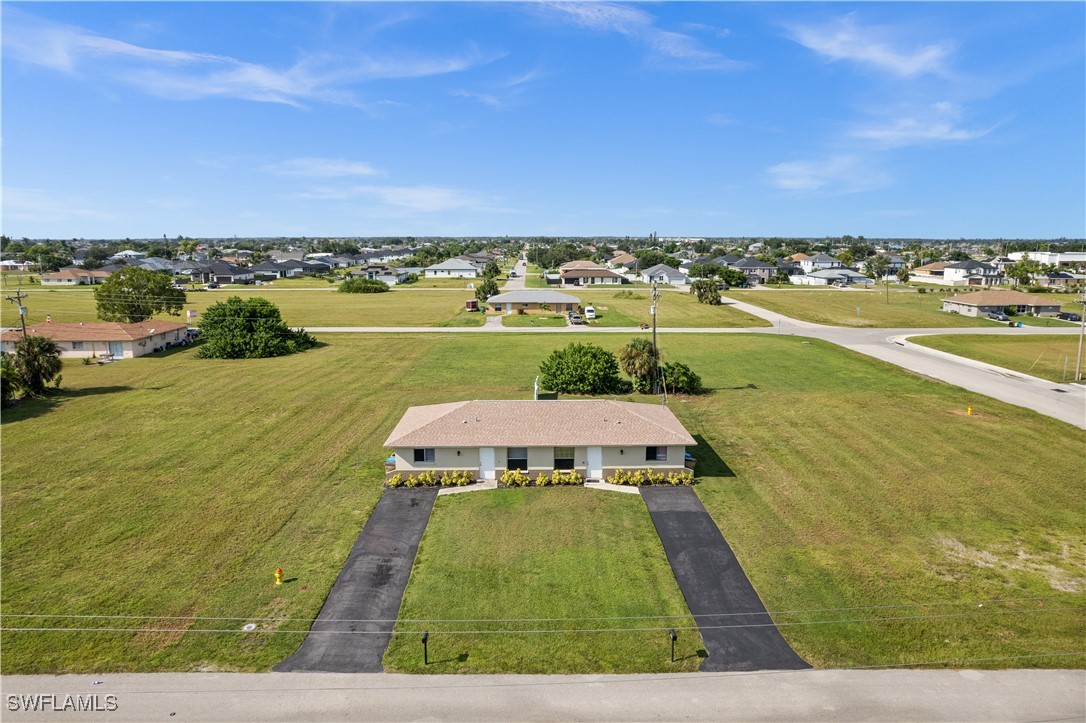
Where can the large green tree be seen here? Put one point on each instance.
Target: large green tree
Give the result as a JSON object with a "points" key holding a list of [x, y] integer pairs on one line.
{"points": [[485, 290], [639, 362], [248, 329], [37, 362], [1022, 271], [678, 378], [581, 369], [647, 258], [133, 294], [9, 380], [491, 269]]}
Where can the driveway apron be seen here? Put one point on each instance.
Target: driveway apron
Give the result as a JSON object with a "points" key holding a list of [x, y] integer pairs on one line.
{"points": [[715, 587], [370, 587]]}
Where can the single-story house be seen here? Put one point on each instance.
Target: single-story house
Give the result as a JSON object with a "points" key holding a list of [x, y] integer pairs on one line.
{"points": [[623, 259], [532, 300], [453, 268], [588, 277], [571, 265], [74, 277], [595, 437], [664, 274], [831, 277], [818, 262], [104, 338], [12, 265], [982, 303], [381, 272], [270, 270], [930, 273]]}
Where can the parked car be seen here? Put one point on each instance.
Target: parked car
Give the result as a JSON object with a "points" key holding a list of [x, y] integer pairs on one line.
{"points": [[512, 274], [575, 318], [589, 312], [998, 316], [213, 285], [1069, 316]]}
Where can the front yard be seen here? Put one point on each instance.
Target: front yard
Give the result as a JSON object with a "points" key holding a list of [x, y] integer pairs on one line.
{"points": [[1050, 357]]}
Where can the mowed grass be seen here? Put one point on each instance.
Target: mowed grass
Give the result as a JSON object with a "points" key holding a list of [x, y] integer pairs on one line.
{"points": [[299, 307], [171, 486], [530, 320], [836, 307], [1046, 356], [524, 554], [630, 307]]}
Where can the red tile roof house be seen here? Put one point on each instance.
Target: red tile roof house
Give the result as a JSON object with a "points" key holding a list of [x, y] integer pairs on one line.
{"points": [[595, 437], [103, 339]]}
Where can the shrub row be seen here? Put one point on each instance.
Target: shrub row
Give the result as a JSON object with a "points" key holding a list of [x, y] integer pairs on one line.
{"points": [[641, 477], [430, 478], [517, 478]]}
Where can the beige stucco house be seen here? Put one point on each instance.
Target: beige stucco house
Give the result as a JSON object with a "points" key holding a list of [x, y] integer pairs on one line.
{"points": [[531, 300], [103, 339], [595, 437], [982, 303]]}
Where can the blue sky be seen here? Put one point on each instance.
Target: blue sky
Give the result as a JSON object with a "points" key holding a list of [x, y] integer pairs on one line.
{"points": [[698, 119]]}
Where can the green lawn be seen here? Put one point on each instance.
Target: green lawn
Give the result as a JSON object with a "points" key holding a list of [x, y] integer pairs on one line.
{"points": [[168, 485], [630, 307], [838, 308], [300, 307], [530, 320], [1042, 356], [557, 553]]}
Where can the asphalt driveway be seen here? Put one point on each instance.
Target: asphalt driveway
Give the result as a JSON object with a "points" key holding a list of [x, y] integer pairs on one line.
{"points": [[715, 587], [370, 587]]}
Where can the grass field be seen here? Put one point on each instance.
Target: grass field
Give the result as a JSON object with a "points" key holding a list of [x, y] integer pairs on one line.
{"points": [[299, 307], [1049, 357], [838, 308], [529, 320], [630, 307], [171, 486], [557, 553]]}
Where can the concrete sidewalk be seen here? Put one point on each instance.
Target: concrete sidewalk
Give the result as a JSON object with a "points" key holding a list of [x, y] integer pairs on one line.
{"points": [[369, 588], [716, 589]]}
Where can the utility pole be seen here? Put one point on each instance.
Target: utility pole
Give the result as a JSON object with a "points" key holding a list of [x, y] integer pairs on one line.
{"points": [[1081, 332], [655, 349], [19, 296]]}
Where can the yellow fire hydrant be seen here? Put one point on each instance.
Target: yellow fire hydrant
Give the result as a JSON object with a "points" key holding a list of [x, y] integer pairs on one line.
{"points": [[278, 576], [969, 411]]}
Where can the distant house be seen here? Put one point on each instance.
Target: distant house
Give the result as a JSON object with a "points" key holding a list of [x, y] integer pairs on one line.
{"points": [[595, 437], [1056, 278], [982, 303], [586, 277], [756, 271], [104, 339], [453, 268], [727, 260], [622, 258], [831, 277], [818, 262], [929, 273], [269, 271], [74, 277], [381, 272], [971, 273], [127, 255], [12, 265], [799, 257], [529, 300], [664, 274], [280, 255]]}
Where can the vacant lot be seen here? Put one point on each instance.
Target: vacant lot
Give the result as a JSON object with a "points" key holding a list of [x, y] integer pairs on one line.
{"points": [[555, 553], [171, 486], [839, 307], [1048, 357], [630, 307], [300, 307]]}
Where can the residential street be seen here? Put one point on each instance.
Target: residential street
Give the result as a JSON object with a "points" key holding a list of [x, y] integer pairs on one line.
{"points": [[802, 695]]}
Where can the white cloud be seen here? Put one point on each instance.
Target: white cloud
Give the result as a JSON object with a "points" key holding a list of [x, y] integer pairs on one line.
{"points": [[936, 123], [485, 98], [323, 168], [845, 39], [666, 47], [182, 75], [835, 174]]}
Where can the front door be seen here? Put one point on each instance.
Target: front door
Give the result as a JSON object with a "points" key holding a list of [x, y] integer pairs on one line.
{"points": [[116, 349], [595, 463], [486, 462]]}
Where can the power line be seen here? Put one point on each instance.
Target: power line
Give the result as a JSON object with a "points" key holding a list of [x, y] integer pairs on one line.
{"points": [[981, 602], [539, 631]]}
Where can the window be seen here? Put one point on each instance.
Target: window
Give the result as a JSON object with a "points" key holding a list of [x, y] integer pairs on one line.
{"points": [[77, 345], [517, 458], [658, 454], [424, 456], [563, 457]]}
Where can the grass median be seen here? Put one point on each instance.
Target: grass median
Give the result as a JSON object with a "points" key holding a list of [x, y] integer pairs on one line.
{"points": [[1046, 356]]}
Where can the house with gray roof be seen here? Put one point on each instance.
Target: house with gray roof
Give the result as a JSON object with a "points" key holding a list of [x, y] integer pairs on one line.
{"points": [[664, 274], [453, 269], [528, 300], [831, 277], [755, 270], [594, 437], [819, 262]]}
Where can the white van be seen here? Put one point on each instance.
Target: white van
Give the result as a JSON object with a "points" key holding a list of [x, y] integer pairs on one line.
{"points": [[589, 312]]}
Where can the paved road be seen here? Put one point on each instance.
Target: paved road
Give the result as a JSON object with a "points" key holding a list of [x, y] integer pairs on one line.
{"points": [[517, 282], [370, 587], [809, 695], [713, 581]]}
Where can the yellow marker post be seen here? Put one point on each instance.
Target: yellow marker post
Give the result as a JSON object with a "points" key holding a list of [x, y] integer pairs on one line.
{"points": [[278, 576], [969, 411]]}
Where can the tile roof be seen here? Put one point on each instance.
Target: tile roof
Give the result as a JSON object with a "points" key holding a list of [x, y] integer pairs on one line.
{"points": [[1003, 297], [589, 274], [663, 269], [580, 265], [97, 330], [931, 268], [549, 423]]}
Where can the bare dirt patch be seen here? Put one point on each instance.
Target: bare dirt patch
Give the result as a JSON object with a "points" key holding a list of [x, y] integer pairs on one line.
{"points": [[1052, 566]]}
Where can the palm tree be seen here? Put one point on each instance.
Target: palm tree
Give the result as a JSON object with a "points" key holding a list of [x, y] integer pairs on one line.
{"points": [[37, 362], [638, 361]]}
